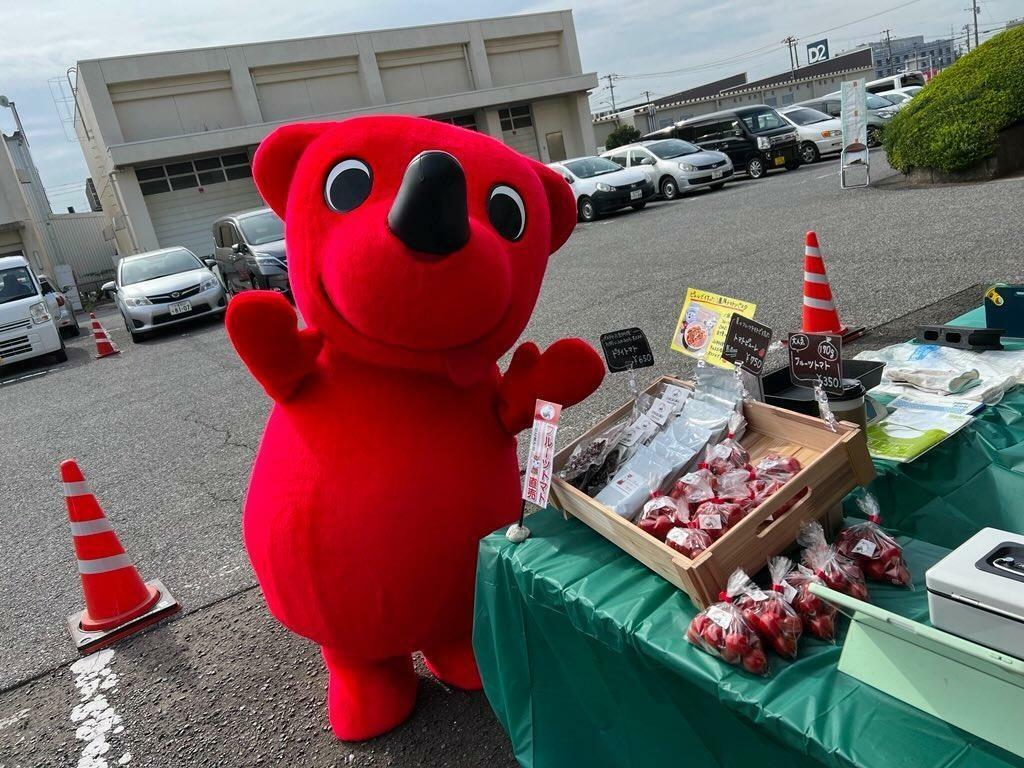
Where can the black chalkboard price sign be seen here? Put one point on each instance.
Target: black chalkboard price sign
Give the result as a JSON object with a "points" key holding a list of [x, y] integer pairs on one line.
{"points": [[816, 357], [746, 344], [626, 349]]}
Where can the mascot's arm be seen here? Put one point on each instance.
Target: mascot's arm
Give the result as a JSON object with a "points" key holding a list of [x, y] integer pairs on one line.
{"points": [[263, 327], [567, 372]]}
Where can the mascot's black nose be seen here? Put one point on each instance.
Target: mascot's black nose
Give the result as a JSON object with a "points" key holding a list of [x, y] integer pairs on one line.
{"points": [[429, 213]]}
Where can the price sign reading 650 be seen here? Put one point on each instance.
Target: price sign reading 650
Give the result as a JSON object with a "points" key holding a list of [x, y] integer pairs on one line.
{"points": [[816, 357]]}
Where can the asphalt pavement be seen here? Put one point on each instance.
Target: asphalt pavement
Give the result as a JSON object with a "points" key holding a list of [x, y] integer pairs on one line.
{"points": [[166, 433]]}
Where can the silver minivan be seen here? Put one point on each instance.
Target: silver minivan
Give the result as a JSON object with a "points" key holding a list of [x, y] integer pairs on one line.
{"points": [[675, 166], [250, 251]]}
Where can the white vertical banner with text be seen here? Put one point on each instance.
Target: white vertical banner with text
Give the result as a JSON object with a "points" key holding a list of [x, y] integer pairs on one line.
{"points": [[854, 115], [541, 459]]}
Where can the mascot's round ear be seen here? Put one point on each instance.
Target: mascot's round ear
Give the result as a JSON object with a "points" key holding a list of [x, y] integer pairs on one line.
{"points": [[274, 163], [562, 203]]}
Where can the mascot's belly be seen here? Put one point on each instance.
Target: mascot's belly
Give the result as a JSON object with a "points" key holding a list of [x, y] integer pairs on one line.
{"points": [[367, 501]]}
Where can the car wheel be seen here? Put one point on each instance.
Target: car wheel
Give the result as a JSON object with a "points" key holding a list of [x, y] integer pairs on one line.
{"points": [[755, 167], [809, 152], [74, 329], [61, 355], [669, 190], [874, 136], [639, 206], [718, 185], [586, 209]]}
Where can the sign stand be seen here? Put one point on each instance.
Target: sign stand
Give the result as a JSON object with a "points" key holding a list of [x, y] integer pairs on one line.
{"points": [[853, 113]]}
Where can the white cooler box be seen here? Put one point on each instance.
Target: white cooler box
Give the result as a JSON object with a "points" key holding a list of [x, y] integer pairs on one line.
{"points": [[977, 591]]}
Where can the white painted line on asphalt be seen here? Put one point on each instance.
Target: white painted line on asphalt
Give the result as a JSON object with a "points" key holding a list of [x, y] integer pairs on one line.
{"points": [[27, 376], [14, 719], [94, 718], [834, 173]]}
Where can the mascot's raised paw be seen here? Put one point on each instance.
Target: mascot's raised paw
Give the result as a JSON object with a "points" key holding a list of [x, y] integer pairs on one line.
{"points": [[416, 252]]}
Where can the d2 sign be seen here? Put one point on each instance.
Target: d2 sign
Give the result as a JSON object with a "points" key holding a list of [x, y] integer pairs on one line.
{"points": [[817, 51]]}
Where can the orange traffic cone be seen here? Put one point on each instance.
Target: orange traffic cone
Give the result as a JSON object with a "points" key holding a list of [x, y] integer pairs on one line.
{"points": [[819, 312], [117, 601], [104, 346]]}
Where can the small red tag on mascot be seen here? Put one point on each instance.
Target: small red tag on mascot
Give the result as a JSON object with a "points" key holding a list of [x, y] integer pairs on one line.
{"points": [[416, 252]]}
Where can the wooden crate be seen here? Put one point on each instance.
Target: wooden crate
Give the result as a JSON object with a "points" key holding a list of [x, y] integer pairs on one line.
{"points": [[833, 464]]}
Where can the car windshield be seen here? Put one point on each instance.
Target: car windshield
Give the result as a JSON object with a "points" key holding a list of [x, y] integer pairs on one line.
{"points": [[157, 265], [806, 116], [262, 228], [765, 120], [672, 148], [16, 283], [877, 102], [588, 167]]}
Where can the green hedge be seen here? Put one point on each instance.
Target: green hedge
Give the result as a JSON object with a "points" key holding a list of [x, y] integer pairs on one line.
{"points": [[953, 123]]}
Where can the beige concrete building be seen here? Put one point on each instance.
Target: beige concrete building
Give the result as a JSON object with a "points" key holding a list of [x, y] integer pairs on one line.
{"points": [[168, 137], [23, 205]]}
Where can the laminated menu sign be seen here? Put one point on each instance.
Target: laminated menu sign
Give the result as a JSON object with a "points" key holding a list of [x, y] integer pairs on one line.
{"points": [[746, 344], [816, 357], [540, 460], [626, 349], [704, 322]]}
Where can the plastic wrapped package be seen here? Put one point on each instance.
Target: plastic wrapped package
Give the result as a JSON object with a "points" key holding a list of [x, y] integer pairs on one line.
{"points": [[838, 572], [687, 540], [716, 516], [776, 467], [875, 551], [793, 582], [695, 487], [761, 489], [589, 456], [734, 485], [717, 385], [772, 617], [721, 631], [633, 484], [659, 516], [730, 454]]}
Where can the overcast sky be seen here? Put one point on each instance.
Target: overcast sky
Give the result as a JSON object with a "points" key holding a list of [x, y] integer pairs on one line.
{"points": [[42, 38]]}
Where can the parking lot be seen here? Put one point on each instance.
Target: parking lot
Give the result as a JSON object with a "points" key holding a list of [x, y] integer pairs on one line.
{"points": [[166, 433]]}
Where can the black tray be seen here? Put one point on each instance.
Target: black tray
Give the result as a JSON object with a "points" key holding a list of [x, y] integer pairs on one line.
{"points": [[781, 392]]}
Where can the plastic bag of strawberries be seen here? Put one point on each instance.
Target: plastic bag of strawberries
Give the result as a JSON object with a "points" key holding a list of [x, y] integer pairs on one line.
{"points": [[838, 572], [660, 515], [874, 550], [721, 631], [772, 617], [793, 583]]}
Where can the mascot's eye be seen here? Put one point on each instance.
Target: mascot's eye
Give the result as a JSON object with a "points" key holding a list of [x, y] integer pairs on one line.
{"points": [[348, 185], [506, 211]]}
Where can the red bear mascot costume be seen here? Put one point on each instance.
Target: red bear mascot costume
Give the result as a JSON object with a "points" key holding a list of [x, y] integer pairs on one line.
{"points": [[415, 253]]}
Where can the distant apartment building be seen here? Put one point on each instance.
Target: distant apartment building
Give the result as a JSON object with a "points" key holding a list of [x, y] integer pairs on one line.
{"points": [[909, 54], [169, 137]]}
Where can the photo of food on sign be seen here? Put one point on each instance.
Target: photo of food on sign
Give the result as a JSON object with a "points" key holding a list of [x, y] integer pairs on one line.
{"points": [[704, 322]]}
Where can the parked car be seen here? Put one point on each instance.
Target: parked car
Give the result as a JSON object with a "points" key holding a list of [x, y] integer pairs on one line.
{"points": [[895, 98], [673, 166], [897, 82], [250, 251], [27, 328], [880, 112], [755, 138], [165, 287], [819, 133], [601, 186], [60, 308]]}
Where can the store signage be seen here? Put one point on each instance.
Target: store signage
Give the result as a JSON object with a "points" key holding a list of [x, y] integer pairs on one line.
{"points": [[626, 349], [746, 344], [816, 358], [703, 323], [817, 51], [540, 461]]}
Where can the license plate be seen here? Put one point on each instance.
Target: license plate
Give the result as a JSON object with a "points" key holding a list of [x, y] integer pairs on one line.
{"points": [[716, 174], [636, 194], [180, 308], [780, 160]]}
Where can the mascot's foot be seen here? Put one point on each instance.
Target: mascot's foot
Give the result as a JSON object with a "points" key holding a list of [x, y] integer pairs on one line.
{"points": [[366, 699], [454, 664]]}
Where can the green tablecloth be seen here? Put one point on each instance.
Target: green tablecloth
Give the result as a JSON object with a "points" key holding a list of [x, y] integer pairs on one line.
{"points": [[584, 661], [583, 658]]}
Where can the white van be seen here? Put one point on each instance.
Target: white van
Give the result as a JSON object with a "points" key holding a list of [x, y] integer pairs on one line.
{"points": [[896, 82], [27, 329]]}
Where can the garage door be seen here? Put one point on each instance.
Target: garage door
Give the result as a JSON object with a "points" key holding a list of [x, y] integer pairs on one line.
{"points": [[517, 130], [185, 198]]}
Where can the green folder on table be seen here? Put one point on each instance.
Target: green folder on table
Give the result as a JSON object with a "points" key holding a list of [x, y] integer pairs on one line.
{"points": [[967, 685]]}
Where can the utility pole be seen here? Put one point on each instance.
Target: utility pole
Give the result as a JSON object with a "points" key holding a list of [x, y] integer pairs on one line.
{"points": [[652, 112], [611, 78], [790, 43], [888, 44], [967, 31], [974, 8]]}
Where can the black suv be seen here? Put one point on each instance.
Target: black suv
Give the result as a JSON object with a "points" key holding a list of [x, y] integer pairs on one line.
{"points": [[755, 138]]}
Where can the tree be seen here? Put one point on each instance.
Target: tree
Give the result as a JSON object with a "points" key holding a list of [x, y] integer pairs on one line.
{"points": [[624, 134]]}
